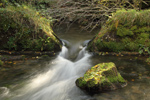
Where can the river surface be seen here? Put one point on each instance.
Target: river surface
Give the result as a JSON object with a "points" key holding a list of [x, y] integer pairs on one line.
{"points": [[53, 78]]}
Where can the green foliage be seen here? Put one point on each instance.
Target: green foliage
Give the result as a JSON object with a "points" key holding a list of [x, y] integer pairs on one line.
{"points": [[1, 63], [142, 30], [11, 44], [132, 46], [136, 4], [38, 4], [43, 44], [148, 60], [121, 31], [144, 36], [126, 40], [133, 28], [131, 17], [109, 46], [124, 31], [143, 49], [113, 46], [129, 44], [26, 29]]}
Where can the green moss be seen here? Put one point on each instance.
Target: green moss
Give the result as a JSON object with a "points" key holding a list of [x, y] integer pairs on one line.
{"points": [[126, 40], [143, 30], [144, 36], [133, 28], [130, 45], [100, 73], [91, 83], [100, 77], [148, 60], [132, 17], [109, 46], [1, 63], [81, 82], [113, 46], [119, 79], [26, 29], [122, 31]]}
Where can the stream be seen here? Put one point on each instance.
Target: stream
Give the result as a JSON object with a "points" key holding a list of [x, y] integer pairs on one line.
{"points": [[54, 78]]}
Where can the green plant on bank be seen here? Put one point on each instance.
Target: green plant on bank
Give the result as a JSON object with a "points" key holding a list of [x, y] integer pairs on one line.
{"points": [[41, 44], [11, 44], [124, 31], [143, 49], [44, 44], [26, 28]]}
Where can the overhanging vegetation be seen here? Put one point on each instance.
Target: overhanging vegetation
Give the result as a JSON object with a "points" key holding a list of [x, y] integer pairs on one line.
{"points": [[23, 28], [126, 30]]}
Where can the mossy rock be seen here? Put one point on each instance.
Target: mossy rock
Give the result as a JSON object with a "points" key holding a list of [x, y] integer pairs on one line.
{"points": [[101, 77], [23, 28], [124, 31]]}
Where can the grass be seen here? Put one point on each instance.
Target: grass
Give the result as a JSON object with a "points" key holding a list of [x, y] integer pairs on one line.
{"points": [[131, 17], [26, 29], [125, 30]]}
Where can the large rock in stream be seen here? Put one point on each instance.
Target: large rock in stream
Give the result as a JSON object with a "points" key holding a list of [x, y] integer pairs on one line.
{"points": [[101, 77]]}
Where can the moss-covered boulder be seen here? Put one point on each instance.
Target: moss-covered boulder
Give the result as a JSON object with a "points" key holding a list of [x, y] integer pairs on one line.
{"points": [[22, 28], [125, 30], [101, 77]]}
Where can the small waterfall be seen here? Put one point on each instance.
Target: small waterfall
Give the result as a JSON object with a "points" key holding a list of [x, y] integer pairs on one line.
{"points": [[4, 91], [58, 83], [81, 54], [64, 52]]}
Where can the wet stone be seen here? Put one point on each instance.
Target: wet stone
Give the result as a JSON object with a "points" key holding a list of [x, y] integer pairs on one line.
{"points": [[101, 77]]}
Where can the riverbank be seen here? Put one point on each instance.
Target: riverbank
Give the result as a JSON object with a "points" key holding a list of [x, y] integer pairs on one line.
{"points": [[124, 31], [23, 28]]}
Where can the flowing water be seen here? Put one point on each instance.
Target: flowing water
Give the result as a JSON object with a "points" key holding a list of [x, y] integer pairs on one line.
{"points": [[56, 78]]}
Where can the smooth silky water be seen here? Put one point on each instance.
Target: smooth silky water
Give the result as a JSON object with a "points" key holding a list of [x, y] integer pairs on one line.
{"points": [[54, 79]]}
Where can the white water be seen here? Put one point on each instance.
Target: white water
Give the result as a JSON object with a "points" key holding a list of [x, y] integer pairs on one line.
{"points": [[4, 92], [58, 83]]}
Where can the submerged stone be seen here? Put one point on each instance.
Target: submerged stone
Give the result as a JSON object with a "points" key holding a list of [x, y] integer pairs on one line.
{"points": [[101, 77]]}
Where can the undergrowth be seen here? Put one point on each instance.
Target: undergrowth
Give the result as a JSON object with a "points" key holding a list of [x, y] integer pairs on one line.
{"points": [[125, 30], [23, 28]]}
